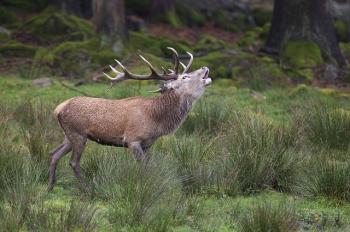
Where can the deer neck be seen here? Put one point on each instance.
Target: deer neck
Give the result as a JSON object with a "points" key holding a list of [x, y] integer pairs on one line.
{"points": [[169, 110]]}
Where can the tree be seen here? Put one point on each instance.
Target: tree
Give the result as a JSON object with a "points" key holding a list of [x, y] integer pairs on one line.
{"points": [[81, 8], [304, 20], [109, 19]]}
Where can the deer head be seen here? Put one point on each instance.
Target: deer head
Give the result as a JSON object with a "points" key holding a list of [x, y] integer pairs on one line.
{"points": [[184, 83]]}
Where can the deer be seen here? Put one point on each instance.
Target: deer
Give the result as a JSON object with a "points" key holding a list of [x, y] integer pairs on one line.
{"points": [[134, 123]]}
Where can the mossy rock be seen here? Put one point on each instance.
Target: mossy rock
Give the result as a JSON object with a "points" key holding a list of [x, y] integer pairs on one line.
{"points": [[7, 17], [189, 16], [219, 63], [342, 30], [77, 58], [18, 50], [265, 30], [144, 42], [300, 90], [261, 16], [209, 43], [345, 48], [156, 46], [249, 38], [302, 54], [53, 26], [171, 18]]}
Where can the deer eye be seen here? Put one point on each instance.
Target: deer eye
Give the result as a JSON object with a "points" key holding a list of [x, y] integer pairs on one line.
{"points": [[185, 77]]}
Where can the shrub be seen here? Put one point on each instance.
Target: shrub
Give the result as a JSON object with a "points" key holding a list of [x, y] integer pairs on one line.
{"points": [[265, 216], [327, 126], [260, 155]]}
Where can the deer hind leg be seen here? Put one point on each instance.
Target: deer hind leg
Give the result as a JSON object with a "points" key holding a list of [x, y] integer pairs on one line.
{"points": [[57, 154], [78, 144], [136, 148]]}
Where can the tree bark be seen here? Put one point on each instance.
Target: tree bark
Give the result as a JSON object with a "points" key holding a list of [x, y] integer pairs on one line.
{"points": [[109, 18], [308, 20], [161, 7], [81, 8]]}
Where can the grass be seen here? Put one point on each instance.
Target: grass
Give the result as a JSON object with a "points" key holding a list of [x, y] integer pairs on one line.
{"points": [[231, 167], [265, 216], [328, 125]]}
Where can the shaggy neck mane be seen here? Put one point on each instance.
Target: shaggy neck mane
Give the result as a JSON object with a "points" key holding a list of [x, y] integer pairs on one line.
{"points": [[170, 110]]}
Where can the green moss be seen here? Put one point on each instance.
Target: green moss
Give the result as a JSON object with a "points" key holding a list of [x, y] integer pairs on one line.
{"points": [[7, 16], [345, 48], [144, 42], [189, 16], [302, 54], [52, 26], [265, 30], [342, 30], [16, 49], [156, 46], [209, 43], [76, 58], [262, 16], [249, 38], [222, 19], [172, 19]]}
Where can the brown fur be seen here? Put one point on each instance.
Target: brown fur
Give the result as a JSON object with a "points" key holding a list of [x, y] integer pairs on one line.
{"points": [[135, 122]]}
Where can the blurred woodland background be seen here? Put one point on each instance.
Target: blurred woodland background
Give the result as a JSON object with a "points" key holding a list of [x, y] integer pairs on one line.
{"points": [[299, 41], [266, 149]]}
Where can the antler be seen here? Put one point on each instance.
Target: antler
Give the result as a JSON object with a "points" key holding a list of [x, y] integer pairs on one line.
{"points": [[154, 75]]}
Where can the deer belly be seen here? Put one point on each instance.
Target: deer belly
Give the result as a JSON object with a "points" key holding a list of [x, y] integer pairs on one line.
{"points": [[110, 141]]}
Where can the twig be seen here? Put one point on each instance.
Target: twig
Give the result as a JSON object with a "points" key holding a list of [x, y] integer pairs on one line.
{"points": [[75, 89]]}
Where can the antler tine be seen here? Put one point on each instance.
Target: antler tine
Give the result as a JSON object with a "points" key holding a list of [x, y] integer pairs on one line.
{"points": [[176, 59], [189, 63], [154, 72], [183, 65], [126, 74]]}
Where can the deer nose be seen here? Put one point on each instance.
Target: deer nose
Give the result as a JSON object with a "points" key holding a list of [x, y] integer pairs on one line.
{"points": [[206, 70]]}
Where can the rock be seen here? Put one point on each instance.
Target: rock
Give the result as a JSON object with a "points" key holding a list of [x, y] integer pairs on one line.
{"points": [[136, 23], [330, 73], [4, 31], [42, 82]]}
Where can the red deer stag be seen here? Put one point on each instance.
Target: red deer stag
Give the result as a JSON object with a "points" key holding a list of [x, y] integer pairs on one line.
{"points": [[136, 122]]}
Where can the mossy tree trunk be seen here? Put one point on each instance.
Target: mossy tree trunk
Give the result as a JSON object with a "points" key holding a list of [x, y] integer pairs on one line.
{"points": [[304, 20], [109, 20], [82, 8]]}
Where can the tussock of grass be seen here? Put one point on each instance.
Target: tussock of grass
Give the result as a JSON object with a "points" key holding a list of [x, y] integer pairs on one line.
{"points": [[141, 195], [328, 177], [265, 216], [327, 126], [261, 155], [194, 158], [207, 116]]}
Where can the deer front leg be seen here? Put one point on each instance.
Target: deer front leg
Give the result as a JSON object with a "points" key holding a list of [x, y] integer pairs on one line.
{"points": [[78, 144], [136, 148]]}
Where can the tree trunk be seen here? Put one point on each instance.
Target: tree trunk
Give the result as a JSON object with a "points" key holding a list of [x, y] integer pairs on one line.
{"points": [[308, 20], [162, 7], [109, 19], [81, 8]]}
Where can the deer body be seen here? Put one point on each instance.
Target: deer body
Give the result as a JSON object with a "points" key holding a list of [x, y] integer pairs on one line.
{"points": [[135, 123]]}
